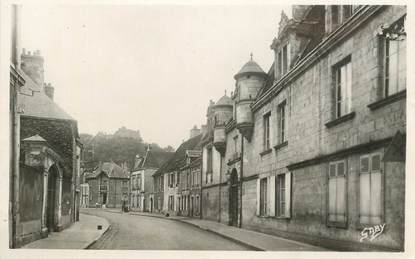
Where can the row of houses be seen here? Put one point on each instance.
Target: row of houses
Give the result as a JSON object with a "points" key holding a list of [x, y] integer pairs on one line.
{"points": [[312, 150]]}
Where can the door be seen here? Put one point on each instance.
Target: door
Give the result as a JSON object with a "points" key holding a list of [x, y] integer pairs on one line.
{"points": [[233, 199], [192, 204], [51, 199], [104, 198]]}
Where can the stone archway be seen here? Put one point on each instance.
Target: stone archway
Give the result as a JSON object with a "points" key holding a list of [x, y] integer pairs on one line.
{"points": [[52, 198], [233, 198]]}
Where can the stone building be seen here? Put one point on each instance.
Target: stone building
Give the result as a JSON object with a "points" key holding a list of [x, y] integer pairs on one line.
{"points": [[108, 186], [190, 185], [169, 177], [314, 150], [142, 182], [44, 186]]}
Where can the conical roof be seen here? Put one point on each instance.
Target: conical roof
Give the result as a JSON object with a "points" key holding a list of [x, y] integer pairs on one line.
{"points": [[224, 100], [251, 67]]}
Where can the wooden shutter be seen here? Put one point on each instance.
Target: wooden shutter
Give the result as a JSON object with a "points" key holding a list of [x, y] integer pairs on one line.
{"points": [[271, 193], [288, 194], [364, 189], [375, 189], [258, 196]]}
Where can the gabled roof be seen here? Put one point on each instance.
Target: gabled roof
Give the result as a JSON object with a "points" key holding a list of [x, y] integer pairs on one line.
{"points": [[111, 169], [179, 158]]}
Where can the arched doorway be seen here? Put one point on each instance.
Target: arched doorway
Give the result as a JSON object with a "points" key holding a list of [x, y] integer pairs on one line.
{"points": [[51, 198], [233, 199]]}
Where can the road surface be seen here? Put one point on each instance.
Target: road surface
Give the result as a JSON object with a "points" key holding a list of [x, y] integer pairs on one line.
{"points": [[150, 233]]}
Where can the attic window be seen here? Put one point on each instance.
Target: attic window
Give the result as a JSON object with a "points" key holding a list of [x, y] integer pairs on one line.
{"points": [[283, 61]]}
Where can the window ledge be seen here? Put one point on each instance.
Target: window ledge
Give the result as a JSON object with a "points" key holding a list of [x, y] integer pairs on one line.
{"points": [[263, 153], [281, 145], [337, 224], [388, 100], [340, 120]]}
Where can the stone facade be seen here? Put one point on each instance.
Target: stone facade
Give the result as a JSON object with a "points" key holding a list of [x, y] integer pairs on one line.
{"points": [[315, 149]]}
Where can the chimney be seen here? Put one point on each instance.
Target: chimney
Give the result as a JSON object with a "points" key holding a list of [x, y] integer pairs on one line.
{"points": [[204, 129], [32, 65], [194, 132], [49, 90]]}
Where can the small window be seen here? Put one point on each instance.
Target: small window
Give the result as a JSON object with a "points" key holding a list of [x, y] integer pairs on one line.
{"points": [[394, 77], [281, 122], [266, 133], [343, 87], [263, 197]]}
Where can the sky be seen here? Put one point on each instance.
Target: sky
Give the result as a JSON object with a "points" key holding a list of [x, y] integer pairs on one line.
{"points": [[151, 68]]}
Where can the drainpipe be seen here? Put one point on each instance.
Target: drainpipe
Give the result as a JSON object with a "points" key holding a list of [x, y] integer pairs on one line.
{"points": [[240, 181], [220, 189], [201, 182]]}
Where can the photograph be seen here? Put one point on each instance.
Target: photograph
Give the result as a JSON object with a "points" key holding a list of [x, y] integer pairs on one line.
{"points": [[207, 127]]}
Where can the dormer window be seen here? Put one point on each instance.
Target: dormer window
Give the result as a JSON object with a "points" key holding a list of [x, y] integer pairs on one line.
{"points": [[336, 15], [282, 62]]}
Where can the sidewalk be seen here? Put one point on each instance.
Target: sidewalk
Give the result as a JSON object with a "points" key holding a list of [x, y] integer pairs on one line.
{"points": [[254, 240], [80, 235]]}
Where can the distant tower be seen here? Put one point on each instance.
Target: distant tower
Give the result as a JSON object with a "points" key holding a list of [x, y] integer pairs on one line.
{"points": [[223, 113], [32, 65], [249, 81]]}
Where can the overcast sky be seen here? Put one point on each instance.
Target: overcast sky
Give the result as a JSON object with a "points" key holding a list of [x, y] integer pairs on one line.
{"points": [[148, 67]]}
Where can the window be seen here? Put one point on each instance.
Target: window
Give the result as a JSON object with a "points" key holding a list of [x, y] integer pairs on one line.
{"points": [[281, 122], [283, 61], [394, 62], [235, 144], [337, 192], [209, 173], [171, 202], [263, 197], [343, 87], [370, 189], [266, 131], [283, 195], [177, 178]]}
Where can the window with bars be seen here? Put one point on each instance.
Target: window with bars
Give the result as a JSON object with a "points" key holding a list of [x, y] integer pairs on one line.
{"points": [[281, 122], [337, 192], [263, 202], [343, 87], [370, 189], [266, 133]]}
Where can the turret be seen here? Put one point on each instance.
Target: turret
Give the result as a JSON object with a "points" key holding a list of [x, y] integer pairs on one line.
{"points": [[223, 113], [249, 81]]}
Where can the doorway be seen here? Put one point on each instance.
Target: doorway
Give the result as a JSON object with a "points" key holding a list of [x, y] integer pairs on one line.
{"points": [[151, 204], [233, 199], [51, 198], [104, 198]]}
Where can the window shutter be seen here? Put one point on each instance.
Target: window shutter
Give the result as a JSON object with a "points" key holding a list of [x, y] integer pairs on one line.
{"points": [[288, 194], [271, 191], [364, 190], [258, 194], [375, 190]]}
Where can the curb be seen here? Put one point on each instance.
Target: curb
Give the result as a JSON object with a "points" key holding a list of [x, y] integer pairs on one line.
{"points": [[255, 248], [98, 237]]}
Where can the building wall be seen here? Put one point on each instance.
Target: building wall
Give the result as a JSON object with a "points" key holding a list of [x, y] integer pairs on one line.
{"points": [[309, 108]]}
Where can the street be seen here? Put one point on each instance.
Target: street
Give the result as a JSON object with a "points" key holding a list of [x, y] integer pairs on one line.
{"points": [[150, 233]]}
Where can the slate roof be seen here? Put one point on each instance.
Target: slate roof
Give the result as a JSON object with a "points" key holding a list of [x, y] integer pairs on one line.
{"points": [[148, 161], [224, 100], [111, 169], [179, 158], [32, 101], [251, 67]]}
